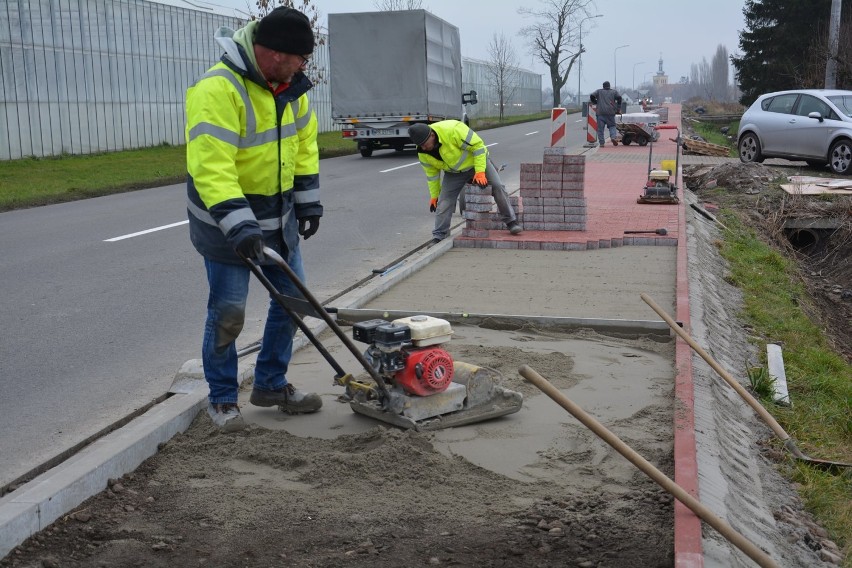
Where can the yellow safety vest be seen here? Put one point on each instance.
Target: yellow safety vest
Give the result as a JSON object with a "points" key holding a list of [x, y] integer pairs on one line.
{"points": [[252, 157], [461, 149]]}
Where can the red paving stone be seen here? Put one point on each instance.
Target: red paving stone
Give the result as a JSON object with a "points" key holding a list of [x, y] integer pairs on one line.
{"points": [[611, 189]]}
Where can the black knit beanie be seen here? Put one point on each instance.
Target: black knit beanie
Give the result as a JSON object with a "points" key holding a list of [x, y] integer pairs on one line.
{"points": [[285, 30]]}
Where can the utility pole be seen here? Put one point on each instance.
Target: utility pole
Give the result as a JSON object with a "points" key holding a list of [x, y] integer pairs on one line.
{"points": [[833, 34], [634, 73], [580, 57], [615, 65]]}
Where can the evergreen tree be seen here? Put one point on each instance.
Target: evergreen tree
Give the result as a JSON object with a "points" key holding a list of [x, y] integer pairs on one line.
{"points": [[774, 46]]}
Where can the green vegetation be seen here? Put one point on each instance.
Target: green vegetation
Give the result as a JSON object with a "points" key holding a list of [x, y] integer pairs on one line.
{"points": [[31, 182], [760, 381], [711, 132], [819, 380]]}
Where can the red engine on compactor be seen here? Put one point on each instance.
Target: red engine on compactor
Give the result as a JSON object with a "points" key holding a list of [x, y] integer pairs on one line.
{"points": [[407, 353]]}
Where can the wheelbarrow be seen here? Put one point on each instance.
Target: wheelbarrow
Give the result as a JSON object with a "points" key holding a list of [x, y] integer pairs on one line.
{"points": [[634, 132]]}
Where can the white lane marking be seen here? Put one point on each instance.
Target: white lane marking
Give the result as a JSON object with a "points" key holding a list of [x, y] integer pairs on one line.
{"points": [[531, 133], [145, 232], [399, 167], [418, 163]]}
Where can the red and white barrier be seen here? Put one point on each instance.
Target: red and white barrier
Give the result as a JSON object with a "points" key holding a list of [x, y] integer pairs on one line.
{"points": [[591, 127], [558, 126]]}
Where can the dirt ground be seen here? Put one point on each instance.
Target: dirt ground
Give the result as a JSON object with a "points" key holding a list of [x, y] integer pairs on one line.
{"points": [[387, 497], [379, 496], [824, 267]]}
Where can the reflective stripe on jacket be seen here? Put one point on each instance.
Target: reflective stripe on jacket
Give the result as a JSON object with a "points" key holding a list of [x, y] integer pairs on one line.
{"points": [[461, 149], [251, 157]]}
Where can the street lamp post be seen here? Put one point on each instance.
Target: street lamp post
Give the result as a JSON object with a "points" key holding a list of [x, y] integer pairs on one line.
{"points": [[634, 73], [615, 66], [580, 57]]}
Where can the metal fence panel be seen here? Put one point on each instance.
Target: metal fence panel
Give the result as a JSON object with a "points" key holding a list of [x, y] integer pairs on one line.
{"points": [[84, 76]]}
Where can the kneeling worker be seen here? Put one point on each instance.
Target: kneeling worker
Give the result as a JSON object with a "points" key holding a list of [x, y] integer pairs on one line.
{"points": [[452, 147]]}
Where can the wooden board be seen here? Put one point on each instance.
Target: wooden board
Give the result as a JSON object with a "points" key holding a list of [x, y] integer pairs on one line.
{"points": [[704, 148]]}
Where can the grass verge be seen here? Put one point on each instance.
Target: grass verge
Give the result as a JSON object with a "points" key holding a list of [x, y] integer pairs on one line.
{"points": [[31, 182], [819, 380], [711, 133]]}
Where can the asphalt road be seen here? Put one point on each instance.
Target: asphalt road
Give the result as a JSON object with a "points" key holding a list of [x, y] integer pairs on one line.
{"points": [[104, 299]]}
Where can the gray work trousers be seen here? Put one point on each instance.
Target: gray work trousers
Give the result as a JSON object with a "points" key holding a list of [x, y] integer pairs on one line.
{"points": [[452, 185]]}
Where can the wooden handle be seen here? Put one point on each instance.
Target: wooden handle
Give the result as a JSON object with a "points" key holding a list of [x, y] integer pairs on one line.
{"points": [[779, 431], [648, 469]]}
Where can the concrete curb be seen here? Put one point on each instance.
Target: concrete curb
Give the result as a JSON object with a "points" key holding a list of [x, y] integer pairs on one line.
{"points": [[40, 502], [35, 505]]}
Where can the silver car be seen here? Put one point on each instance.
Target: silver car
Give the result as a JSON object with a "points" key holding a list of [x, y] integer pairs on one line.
{"points": [[814, 125]]}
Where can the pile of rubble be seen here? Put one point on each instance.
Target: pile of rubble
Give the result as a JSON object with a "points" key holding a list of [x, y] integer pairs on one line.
{"points": [[748, 178]]}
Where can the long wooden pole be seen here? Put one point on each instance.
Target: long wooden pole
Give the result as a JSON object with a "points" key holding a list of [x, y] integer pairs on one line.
{"points": [[705, 514], [764, 414]]}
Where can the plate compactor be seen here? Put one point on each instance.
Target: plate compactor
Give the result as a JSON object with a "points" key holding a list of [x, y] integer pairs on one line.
{"points": [[426, 389], [415, 382], [659, 188]]}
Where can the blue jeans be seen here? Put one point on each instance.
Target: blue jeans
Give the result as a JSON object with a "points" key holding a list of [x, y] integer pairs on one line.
{"points": [[452, 186], [226, 310], [606, 121]]}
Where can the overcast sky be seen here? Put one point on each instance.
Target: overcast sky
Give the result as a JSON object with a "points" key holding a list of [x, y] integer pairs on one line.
{"points": [[681, 32]]}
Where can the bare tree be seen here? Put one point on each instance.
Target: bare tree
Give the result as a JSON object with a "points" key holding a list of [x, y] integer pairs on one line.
{"points": [[554, 37], [502, 69], [719, 72], [308, 8], [394, 5]]}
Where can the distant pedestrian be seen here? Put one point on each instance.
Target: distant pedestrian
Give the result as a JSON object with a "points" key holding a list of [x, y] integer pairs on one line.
{"points": [[452, 147], [607, 104]]}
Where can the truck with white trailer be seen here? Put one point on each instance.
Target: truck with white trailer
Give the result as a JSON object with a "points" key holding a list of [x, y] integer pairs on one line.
{"points": [[389, 70]]}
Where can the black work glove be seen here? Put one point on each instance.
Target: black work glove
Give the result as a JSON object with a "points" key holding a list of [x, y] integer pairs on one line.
{"points": [[251, 247], [433, 204], [308, 226]]}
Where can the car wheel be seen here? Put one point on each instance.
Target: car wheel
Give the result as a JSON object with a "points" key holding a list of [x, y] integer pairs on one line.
{"points": [[749, 148], [840, 157]]}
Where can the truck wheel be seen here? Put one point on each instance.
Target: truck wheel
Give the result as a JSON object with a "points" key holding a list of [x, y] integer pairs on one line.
{"points": [[642, 141], [366, 152], [627, 139]]}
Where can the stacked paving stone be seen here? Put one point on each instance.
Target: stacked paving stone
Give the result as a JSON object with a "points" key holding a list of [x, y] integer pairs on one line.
{"points": [[552, 192], [551, 199], [479, 212]]}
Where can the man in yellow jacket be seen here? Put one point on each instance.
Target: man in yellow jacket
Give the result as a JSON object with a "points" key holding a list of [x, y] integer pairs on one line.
{"points": [[253, 181], [452, 147]]}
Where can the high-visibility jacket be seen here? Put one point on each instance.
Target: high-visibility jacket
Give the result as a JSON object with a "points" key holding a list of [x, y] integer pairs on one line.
{"points": [[251, 154], [461, 149]]}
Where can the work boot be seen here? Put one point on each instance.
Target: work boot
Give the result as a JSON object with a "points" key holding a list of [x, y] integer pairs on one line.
{"points": [[515, 228], [288, 398], [435, 241], [614, 142], [226, 416]]}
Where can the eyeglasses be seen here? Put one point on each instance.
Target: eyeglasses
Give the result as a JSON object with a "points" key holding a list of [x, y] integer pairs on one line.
{"points": [[305, 60]]}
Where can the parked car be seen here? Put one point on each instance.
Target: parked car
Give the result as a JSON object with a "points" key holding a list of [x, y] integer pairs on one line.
{"points": [[813, 125]]}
